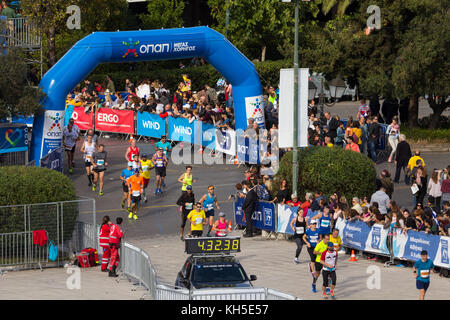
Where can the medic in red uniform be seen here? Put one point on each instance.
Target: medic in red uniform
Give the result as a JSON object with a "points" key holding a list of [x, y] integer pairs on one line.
{"points": [[115, 237], [105, 230]]}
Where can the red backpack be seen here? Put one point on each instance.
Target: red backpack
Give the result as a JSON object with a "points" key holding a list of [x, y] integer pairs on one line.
{"points": [[88, 257]]}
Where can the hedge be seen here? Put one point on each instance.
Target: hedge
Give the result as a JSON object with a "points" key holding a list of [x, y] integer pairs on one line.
{"points": [[427, 135], [269, 72], [329, 170], [33, 185]]}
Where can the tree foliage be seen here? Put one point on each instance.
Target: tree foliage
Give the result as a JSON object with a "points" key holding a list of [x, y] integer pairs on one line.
{"points": [[163, 14], [17, 96]]}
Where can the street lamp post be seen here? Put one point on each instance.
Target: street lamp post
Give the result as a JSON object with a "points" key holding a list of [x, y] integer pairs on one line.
{"points": [[295, 137]]}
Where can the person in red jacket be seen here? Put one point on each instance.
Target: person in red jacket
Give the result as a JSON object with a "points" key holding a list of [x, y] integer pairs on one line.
{"points": [[105, 230], [115, 236]]}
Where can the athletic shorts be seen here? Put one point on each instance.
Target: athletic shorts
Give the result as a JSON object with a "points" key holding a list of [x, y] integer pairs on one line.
{"points": [[326, 274], [209, 213], [135, 199], [312, 256], [146, 182], [70, 149], [422, 285], [87, 163], [160, 171], [99, 170], [318, 266], [124, 187], [197, 233]]}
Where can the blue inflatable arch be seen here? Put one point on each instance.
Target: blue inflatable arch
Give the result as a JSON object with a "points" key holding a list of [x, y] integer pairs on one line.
{"points": [[147, 45]]}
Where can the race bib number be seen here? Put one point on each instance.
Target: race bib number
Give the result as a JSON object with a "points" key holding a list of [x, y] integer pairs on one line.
{"points": [[136, 193], [325, 223], [299, 230], [424, 273], [145, 168], [209, 206], [100, 162], [198, 220], [189, 206]]}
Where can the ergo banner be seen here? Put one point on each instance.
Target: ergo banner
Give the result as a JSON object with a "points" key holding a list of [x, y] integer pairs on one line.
{"points": [[111, 120]]}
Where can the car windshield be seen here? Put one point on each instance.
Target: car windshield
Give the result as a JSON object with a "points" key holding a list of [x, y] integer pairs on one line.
{"points": [[218, 273]]}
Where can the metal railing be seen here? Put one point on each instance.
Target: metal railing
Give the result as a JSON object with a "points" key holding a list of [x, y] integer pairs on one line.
{"points": [[19, 32]]}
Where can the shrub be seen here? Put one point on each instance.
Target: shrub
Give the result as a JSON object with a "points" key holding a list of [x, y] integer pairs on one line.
{"points": [[329, 170], [33, 185], [426, 135]]}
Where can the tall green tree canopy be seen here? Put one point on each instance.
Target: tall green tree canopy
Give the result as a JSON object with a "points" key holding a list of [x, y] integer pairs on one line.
{"points": [[163, 14]]}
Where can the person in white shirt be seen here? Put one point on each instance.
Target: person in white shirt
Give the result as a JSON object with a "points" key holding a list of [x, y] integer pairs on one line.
{"points": [[71, 135]]}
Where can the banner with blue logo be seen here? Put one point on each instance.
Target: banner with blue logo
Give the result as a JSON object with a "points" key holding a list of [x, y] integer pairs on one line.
{"points": [[53, 160], [13, 139], [408, 246], [181, 130], [207, 137], [263, 218], [247, 149], [21, 119], [355, 235], [226, 141], [150, 125], [285, 216]]}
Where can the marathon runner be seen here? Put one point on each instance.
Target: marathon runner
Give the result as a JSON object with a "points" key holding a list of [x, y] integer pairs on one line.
{"points": [[328, 259], [126, 173], [220, 226], [422, 269], [99, 167], [135, 186], [186, 201], [88, 149], [186, 178], [160, 161], [71, 135], [146, 166], [131, 151], [198, 219], [136, 163], [299, 231], [324, 221], [336, 239], [318, 250], [167, 147], [209, 200], [311, 238]]}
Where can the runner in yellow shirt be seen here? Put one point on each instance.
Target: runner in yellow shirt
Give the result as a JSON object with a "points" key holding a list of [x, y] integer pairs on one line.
{"points": [[146, 166], [197, 218], [336, 239]]}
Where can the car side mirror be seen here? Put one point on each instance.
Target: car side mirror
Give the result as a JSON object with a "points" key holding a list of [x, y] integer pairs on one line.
{"points": [[253, 277]]}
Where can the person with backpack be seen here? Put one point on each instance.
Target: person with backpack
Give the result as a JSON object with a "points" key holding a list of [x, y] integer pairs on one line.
{"points": [[105, 230], [115, 237]]}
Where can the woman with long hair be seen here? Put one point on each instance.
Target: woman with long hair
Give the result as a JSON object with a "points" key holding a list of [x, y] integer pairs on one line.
{"points": [[393, 131], [420, 179], [283, 193], [298, 225], [434, 190]]}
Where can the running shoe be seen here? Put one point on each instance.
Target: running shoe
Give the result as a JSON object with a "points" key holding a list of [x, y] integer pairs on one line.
{"points": [[324, 295], [296, 261], [123, 204], [145, 199], [93, 187], [164, 185], [327, 290], [314, 288], [130, 215], [160, 190], [135, 217], [332, 294], [100, 193], [156, 192]]}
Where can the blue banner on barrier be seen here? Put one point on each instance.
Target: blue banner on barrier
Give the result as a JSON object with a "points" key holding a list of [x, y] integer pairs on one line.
{"points": [[418, 241], [181, 130], [247, 149], [13, 139], [53, 160], [150, 125], [263, 218], [208, 138], [285, 216], [355, 235]]}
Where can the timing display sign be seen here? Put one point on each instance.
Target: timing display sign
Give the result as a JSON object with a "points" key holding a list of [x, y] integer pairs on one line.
{"points": [[212, 245]]}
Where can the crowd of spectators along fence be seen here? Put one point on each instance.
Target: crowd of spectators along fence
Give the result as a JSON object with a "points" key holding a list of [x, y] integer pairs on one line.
{"points": [[431, 216]]}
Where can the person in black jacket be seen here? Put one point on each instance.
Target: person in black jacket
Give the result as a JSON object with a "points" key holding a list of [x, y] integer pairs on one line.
{"points": [[403, 154], [374, 136], [332, 125], [248, 208], [186, 201]]}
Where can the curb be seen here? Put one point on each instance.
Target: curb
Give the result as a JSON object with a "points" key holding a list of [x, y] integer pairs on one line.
{"points": [[431, 147]]}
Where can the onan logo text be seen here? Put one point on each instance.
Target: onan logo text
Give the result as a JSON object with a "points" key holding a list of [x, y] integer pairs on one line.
{"points": [[154, 48]]}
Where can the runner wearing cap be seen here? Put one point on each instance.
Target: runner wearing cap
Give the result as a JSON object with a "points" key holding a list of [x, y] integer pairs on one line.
{"points": [[146, 166], [186, 201], [126, 173], [328, 259], [318, 250], [221, 226], [209, 200], [311, 238], [136, 186], [422, 269], [160, 161]]}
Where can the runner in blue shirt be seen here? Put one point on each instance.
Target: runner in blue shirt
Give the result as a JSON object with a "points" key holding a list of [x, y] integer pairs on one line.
{"points": [[422, 269], [311, 238], [324, 222], [126, 173]]}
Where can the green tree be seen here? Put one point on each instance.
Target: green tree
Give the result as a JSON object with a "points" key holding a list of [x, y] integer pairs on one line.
{"points": [[17, 96], [163, 14], [259, 24], [340, 5]]}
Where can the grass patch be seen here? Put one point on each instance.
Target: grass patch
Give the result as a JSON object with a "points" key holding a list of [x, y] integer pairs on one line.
{"points": [[419, 135]]}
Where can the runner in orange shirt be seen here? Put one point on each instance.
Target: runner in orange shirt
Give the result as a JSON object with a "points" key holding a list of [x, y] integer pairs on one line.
{"points": [[136, 188]]}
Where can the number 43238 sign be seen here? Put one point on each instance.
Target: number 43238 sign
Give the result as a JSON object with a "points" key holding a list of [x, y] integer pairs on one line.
{"points": [[213, 245]]}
